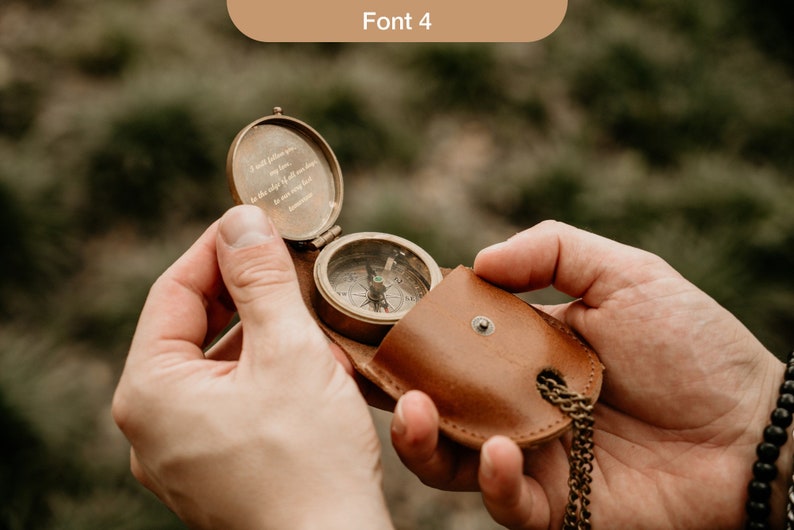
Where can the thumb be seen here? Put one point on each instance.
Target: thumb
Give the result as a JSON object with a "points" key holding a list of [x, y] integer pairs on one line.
{"points": [[260, 277]]}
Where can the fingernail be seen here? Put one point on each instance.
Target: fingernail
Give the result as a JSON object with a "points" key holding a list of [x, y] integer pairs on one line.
{"points": [[486, 465], [245, 226], [398, 423]]}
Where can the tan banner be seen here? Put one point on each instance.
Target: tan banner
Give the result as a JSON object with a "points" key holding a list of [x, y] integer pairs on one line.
{"points": [[397, 21]]}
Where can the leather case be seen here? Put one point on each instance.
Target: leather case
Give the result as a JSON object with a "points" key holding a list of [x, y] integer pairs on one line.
{"points": [[482, 383]]}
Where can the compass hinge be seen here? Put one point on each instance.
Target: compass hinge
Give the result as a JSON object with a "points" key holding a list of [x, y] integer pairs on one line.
{"points": [[326, 237]]}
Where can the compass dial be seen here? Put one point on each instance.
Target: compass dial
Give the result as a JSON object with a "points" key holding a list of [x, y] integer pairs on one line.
{"points": [[372, 279], [382, 285]]}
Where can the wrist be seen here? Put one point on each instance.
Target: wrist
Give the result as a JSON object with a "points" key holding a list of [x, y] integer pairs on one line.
{"points": [[355, 512], [339, 508]]}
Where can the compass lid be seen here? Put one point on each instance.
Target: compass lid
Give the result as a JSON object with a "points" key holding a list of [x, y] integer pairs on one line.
{"points": [[286, 168]]}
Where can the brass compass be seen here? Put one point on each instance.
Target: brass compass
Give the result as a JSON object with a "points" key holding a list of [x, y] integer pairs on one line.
{"points": [[365, 282]]}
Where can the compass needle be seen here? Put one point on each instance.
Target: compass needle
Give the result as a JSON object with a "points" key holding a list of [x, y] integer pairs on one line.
{"points": [[359, 292]]}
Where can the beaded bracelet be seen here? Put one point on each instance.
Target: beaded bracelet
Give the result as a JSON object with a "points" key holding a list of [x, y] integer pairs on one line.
{"points": [[759, 490]]}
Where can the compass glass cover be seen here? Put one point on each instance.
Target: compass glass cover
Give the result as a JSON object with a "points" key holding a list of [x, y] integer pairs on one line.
{"points": [[379, 277]]}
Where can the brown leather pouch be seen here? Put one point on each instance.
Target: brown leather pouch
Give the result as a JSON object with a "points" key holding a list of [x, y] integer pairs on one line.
{"points": [[477, 351]]}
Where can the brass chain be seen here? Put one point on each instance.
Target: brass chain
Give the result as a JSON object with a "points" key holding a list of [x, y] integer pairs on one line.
{"points": [[580, 460]]}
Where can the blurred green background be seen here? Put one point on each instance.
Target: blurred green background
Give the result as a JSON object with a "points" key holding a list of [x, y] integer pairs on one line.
{"points": [[664, 124]]}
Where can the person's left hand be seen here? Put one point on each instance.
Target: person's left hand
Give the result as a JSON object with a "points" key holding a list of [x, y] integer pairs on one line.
{"points": [[267, 430]]}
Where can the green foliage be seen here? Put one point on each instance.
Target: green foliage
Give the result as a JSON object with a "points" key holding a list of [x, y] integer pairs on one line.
{"points": [[769, 24], [770, 141], [19, 105], [16, 247], [457, 76], [634, 97], [34, 248], [23, 502], [138, 170], [346, 121], [109, 56]]}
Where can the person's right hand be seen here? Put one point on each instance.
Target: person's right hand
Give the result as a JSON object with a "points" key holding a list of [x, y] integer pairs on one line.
{"points": [[687, 393], [266, 428]]}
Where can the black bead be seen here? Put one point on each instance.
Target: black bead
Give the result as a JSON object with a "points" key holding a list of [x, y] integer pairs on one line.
{"points": [[757, 525], [758, 510], [759, 490], [786, 401], [787, 387], [780, 417], [767, 452], [775, 435], [764, 471]]}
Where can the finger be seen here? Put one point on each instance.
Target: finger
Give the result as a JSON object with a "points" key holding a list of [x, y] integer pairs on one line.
{"points": [[260, 277], [576, 262], [435, 460], [512, 499], [176, 307]]}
